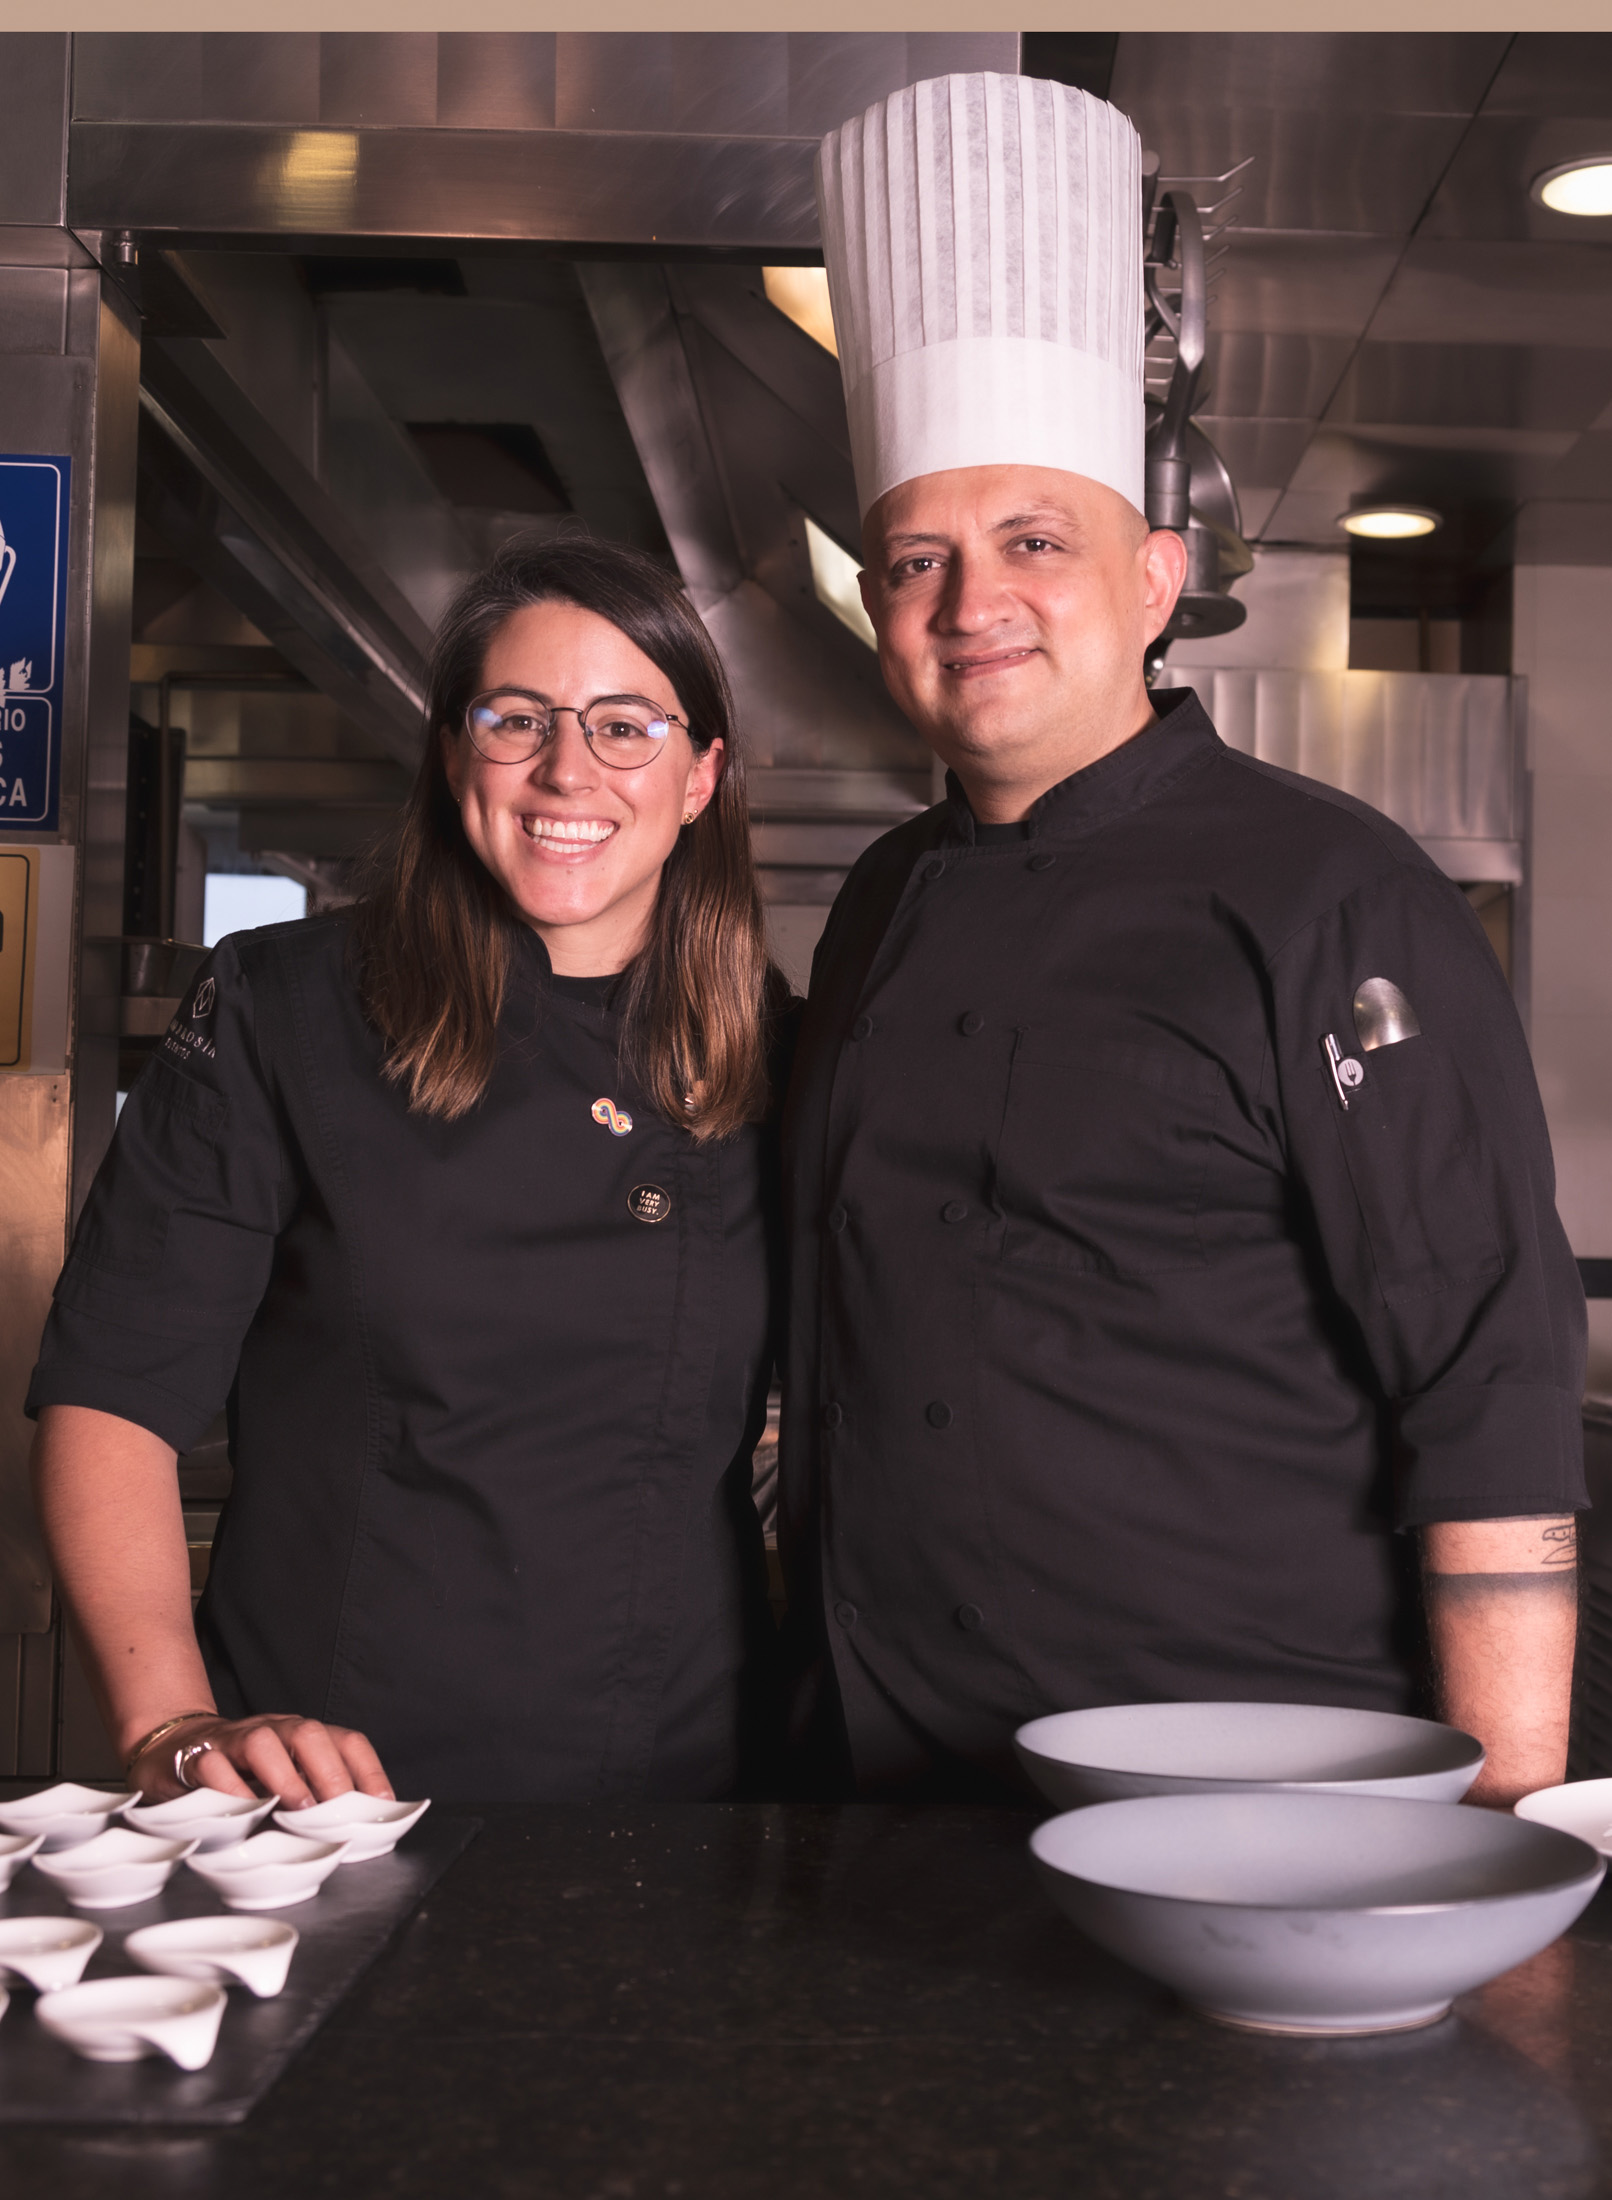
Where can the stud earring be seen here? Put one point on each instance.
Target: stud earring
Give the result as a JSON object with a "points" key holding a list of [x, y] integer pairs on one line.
{"points": [[689, 816]]}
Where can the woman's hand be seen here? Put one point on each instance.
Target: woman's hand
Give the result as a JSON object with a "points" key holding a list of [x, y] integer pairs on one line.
{"points": [[300, 1760]]}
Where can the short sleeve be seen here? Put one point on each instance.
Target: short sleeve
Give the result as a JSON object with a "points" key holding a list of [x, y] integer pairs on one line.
{"points": [[173, 1252], [1433, 1198]]}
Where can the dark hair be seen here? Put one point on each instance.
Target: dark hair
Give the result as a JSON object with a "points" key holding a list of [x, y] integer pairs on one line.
{"points": [[435, 930]]}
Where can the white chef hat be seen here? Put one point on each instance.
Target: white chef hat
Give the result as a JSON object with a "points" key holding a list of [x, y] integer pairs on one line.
{"points": [[983, 236]]}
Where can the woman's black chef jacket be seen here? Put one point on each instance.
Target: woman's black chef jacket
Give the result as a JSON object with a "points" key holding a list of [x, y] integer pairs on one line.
{"points": [[494, 1384], [1116, 1344]]}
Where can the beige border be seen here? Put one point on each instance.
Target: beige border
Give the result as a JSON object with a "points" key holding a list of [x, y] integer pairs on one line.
{"points": [[846, 15]]}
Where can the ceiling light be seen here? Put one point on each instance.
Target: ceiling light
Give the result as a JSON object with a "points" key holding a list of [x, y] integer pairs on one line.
{"points": [[834, 576], [1577, 187], [1389, 522], [802, 293]]}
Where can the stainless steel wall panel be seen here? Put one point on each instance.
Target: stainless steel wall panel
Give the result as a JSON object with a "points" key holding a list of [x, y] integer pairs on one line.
{"points": [[33, 314], [378, 79], [732, 303], [1562, 533], [1553, 73], [270, 345], [33, 139], [1303, 283], [1474, 385], [495, 80], [1261, 453], [208, 181], [1359, 72], [138, 75], [35, 1144], [1457, 291], [1486, 191], [727, 84], [1275, 375], [1584, 473]]}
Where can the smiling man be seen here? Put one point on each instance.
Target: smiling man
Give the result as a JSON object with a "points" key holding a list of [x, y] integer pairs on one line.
{"points": [[1171, 1197]]}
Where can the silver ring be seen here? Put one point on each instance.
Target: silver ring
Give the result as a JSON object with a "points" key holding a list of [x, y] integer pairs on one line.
{"points": [[184, 1757]]}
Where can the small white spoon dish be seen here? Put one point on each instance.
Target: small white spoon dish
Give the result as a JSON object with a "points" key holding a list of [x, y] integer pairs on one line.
{"points": [[1582, 1808], [370, 1825], [49, 1952], [66, 1814], [121, 2019], [269, 1872], [15, 1850], [254, 1952], [211, 1820], [116, 1868]]}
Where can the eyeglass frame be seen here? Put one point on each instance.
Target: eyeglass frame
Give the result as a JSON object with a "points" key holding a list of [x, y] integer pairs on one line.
{"points": [[555, 711]]}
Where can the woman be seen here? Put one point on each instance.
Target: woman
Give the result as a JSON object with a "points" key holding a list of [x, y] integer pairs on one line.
{"points": [[460, 1198]]}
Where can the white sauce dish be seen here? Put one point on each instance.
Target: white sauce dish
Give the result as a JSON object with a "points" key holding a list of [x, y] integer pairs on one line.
{"points": [[1582, 1808], [15, 1850], [254, 1952], [211, 1820], [121, 2019], [269, 1872], [66, 1814], [369, 1824], [116, 1868], [49, 1952]]}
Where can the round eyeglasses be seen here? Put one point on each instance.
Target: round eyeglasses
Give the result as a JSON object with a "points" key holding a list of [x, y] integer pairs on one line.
{"points": [[510, 726]]}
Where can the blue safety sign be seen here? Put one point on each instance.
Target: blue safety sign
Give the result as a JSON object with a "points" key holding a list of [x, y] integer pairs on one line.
{"points": [[35, 499]]}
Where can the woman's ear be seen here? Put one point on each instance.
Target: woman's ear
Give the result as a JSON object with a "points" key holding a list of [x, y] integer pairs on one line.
{"points": [[453, 762], [704, 777]]}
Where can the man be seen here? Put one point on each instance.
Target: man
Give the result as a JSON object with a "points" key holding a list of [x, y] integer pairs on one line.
{"points": [[1171, 1197]]}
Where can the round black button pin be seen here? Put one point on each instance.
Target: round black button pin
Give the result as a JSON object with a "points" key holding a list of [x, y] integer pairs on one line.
{"points": [[955, 1210], [970, 1023], [970, 1618], [862, 1028], [648, 1203], [1042, 863], [845, 1614], [932, 869], [833, 1415], [938, 1413], [837, 1220]]}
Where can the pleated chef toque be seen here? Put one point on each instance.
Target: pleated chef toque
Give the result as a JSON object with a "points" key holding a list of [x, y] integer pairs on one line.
{"points": [[983, 236]]}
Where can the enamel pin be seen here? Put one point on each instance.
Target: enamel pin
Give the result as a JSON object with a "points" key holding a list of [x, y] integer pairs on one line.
{"points": [[615, 1120], [1347, 1073]]}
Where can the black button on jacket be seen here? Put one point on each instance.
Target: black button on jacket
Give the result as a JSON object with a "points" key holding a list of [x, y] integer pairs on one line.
{"points": [[494, 1384], [1134, 1345]]}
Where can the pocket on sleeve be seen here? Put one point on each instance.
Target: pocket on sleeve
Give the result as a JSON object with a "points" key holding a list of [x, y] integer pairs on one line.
{"points": [[1410, 1140]]}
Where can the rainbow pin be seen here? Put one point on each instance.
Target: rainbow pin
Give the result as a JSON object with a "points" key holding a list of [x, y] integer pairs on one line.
{"points": [[615, 1120]]}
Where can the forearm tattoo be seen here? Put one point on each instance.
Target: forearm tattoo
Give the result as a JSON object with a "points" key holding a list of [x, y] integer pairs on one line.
{"points": [[1554, 1574]]}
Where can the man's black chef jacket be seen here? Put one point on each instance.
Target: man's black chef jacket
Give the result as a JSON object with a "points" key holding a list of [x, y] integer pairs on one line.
{"points": [[491, 1419], [1116, 1344]]}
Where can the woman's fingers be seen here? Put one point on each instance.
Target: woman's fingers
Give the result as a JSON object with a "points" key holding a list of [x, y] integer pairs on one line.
{"points": [[212, 1769], [368, 1773], [301, 1761], [261, 1750], [153, 1775]]}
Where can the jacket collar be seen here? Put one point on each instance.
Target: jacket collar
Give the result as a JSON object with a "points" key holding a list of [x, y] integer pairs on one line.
{"points": [[1181, 739]]}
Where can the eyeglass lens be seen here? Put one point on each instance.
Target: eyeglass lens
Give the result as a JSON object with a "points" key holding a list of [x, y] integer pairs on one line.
{"points": [[623, 731]]}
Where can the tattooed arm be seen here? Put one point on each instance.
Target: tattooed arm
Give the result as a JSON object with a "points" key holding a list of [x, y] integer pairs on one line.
{"points": [[1502, 1610]]}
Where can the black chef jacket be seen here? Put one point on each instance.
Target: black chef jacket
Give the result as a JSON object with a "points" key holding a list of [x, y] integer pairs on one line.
{"points": [[493, 1385], [1117, 1345]]}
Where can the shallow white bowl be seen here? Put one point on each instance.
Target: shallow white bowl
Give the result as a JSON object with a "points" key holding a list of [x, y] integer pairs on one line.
{"points": [[1118, 1750], [271, 1871], [116, 1868], [254, 1952], [66, 1814], [369, 1824], [1582, 1808], [49, 1952], [1314, 1913], [15, 1850], [211, 1820], [121, 2019]]}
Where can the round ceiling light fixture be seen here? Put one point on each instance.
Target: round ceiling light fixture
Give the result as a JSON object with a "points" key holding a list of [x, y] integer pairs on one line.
{"points": [[1577, 186], [1390, 522]]}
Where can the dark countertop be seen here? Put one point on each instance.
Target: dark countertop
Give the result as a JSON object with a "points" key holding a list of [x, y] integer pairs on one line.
{"points": [[804, 2003]]}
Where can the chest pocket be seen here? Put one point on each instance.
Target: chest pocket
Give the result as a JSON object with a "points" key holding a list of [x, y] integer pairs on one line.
{"points": [[1409, 1140], [1103, 1156]]}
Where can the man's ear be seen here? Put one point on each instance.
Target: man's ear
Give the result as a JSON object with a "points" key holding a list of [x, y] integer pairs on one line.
{"points": [[1164, 572], [870, 595]]}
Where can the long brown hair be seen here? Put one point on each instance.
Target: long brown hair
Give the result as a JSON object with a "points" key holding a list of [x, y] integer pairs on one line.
{"points": [[435, 931]]}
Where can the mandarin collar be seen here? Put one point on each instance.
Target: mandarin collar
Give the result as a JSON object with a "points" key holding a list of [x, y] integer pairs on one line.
{"points": [[1179, 740]]}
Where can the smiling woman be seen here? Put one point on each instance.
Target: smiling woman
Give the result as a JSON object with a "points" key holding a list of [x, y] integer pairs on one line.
{"points": [[464, 1199]]}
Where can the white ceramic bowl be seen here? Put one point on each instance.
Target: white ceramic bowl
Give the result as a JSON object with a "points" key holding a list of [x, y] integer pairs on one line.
{"points": [[1314, 1913], [66, 1814], [1119, 1750], [369, 1824], [121, 2019], [271, 1871], [49, 1952], [225, 1951], [1582, 1808], [15, 1850], [116, 1868], [211, 1820]]}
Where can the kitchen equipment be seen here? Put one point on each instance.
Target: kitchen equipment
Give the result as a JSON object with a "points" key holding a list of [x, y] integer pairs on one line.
{"points": [[49, 1952], [370, 1825], [66, 1814], [15, 1850], [121, 2019], [1582, 1808], [1119, 1750], [271, 1871], [254, 1952], [211, 1820], [116, 1868], [1314, 1913]]}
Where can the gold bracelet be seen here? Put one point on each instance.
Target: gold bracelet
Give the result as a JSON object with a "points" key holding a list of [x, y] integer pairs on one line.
{"points": [[149, 1741]]}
